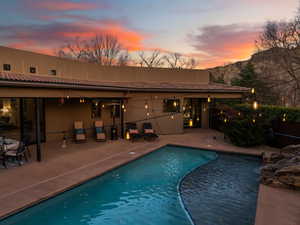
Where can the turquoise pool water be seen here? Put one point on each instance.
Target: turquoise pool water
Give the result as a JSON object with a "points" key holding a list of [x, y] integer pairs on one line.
{"points": [[143, 192]]}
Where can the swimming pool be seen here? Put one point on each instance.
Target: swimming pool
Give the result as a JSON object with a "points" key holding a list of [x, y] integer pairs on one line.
{"points": [[144, 191], [215, 188]]}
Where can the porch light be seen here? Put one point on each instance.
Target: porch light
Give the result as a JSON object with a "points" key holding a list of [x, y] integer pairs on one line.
{"points": [[255, 105], [127, 135], [208, 99], [191, 123]]}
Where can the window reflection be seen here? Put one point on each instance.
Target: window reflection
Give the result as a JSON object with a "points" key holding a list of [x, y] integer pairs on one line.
{"points": [[10, 118]]}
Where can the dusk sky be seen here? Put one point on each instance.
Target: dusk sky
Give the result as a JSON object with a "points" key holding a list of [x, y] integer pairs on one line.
{"points": [[215, 31]]}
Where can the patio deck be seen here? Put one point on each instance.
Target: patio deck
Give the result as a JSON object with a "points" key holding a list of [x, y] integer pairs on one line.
{"points": [[62, 169]]}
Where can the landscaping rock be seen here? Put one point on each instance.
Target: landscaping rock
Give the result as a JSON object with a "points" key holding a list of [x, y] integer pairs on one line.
{"points": [[282, 169]]}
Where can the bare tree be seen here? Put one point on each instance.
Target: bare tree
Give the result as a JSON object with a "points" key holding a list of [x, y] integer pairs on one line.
{"points": [[180, 61], [282, 39], [151, 59], [102, 49], [124, 59]]}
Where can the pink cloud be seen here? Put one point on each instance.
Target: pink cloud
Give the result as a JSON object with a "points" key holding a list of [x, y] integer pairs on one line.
{"points": [[63, 5], [224, 43]]}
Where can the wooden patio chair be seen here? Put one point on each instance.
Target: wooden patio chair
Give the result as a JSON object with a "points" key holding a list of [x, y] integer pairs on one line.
{"points": [[79, 132], [99, 130], [148, 132]]}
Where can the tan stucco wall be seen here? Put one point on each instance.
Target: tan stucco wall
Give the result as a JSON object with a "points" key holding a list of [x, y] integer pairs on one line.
{"points": [[21, 61], [61, 117]]}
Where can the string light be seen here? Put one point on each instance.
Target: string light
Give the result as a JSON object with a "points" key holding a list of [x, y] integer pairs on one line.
{"points": [[124, 110], [254, 120], [127, 136], [255, 105], [253, 91], [198, 119], [148, 114], [103, 106], [172, 117], [183, 108], [146, 105], [225, 120], [175, 103], [123, 106], [239, 114], [284, 118]]}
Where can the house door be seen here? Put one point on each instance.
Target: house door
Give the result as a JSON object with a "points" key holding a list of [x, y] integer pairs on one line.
{"points": [[192, 109]]}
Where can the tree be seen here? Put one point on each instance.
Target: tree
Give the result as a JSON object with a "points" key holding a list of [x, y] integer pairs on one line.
{"points": [[102, 49], [179, 61], [151, 59], [282, 39], [249, 78]]}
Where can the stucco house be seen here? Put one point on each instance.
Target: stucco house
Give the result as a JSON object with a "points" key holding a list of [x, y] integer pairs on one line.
{"points": [[41, 96]]}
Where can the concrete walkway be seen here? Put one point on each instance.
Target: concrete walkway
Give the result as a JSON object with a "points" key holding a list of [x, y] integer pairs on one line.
{"points": [[62, 169]]}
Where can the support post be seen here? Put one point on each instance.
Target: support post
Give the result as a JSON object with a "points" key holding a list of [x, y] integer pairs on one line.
{"points": [[122, 118], [38, 129]]}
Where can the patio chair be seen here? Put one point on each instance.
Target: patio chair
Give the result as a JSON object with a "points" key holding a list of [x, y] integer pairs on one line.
{"points": [[148, 132], [99, 131], [133, 131], [79, 132], [18, 154]]}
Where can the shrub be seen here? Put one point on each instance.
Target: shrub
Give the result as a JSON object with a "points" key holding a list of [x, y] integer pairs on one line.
{"points": [[247, 127]]}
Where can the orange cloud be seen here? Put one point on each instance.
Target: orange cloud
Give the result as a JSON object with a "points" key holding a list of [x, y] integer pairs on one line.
{"points": [[224, 44]]}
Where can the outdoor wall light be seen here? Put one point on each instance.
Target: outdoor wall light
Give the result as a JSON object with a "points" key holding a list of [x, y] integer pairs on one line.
{"points": [[191, 123], [208, 99], [127, 136]]}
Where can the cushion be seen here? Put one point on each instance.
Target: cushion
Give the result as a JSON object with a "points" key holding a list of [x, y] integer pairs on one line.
{"points": [[133, 131], [149, 131], [100, 136], [99, 129], [80, 137], [79, 131]]}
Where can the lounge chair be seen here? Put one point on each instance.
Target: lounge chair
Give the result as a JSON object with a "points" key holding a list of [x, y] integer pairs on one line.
{"points": [[133, 131], [148, 132], [79, 132], [99, 131], [18, 154]]}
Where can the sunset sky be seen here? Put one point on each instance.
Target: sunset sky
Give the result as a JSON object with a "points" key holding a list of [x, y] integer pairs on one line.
{"points": [[215, 31]]}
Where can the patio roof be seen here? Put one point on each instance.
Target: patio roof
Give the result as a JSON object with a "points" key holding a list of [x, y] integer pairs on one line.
{"points": [[23, 80]]}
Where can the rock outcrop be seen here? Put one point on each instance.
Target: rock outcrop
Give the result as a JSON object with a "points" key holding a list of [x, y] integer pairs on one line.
{"points": [[282, 169]]}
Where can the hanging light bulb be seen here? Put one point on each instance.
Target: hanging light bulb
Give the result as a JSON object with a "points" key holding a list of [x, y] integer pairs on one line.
{"points": [[96, 103], [172, 117], [198, 119], [146, 105], [225, 120], [175, 103], [68, 96], [255, 105], [204, 109], [103, 106], [253, 91], [239, 114], [124, 110], [148, 114], [208, 99], [183, 108], [254, 120], [123, 106]]}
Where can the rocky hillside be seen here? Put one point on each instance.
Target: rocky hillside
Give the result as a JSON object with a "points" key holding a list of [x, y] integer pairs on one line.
{"points": [[268, 69]]}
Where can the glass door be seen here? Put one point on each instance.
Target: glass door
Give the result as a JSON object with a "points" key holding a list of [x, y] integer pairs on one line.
{"points": [[192, 109], [28, 120]]}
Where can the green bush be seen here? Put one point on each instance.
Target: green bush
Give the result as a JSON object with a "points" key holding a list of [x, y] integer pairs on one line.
{"points": [[244, 133], [247, 127]]}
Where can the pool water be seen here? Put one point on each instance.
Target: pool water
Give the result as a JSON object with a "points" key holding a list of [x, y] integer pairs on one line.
{"points": [[223, 191], [144, 191]]}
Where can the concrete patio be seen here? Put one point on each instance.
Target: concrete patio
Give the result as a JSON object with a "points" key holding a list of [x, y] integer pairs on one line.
{"points": [[63, 169]]}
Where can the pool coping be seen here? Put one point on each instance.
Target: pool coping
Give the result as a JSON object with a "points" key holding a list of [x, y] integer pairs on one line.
{"points": [[57, 191]]}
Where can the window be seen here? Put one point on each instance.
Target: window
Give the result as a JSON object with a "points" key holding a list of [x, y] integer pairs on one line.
{"points": [[6, 67], [171, 105], [52, 72], [32, 69]]}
